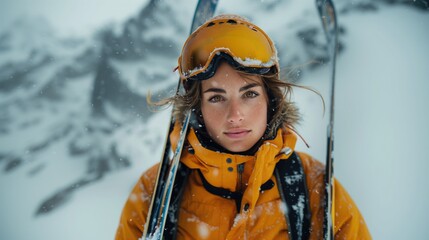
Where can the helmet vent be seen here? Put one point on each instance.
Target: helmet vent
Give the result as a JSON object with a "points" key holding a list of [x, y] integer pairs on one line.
{"points": [[230, 21]]}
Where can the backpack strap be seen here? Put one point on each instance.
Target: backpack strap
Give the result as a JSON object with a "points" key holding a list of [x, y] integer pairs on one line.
{"points": [[294, 193], [180, 182]]}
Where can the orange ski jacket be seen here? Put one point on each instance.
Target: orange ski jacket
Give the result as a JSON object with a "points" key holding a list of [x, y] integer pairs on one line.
{"points": [[203, 215]]}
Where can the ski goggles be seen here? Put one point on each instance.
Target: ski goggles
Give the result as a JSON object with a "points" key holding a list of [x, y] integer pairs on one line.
{"points": [[242, 44]]}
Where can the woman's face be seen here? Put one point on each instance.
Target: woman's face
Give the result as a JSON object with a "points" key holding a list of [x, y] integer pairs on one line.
{"points": [[234, 108]]}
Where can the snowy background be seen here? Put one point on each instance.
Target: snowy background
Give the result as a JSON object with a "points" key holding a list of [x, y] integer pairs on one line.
{"points": [[75, 131]]}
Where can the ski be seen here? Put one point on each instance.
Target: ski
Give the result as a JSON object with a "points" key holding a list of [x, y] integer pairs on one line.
{"points": [[157, 214], [329, 21]]}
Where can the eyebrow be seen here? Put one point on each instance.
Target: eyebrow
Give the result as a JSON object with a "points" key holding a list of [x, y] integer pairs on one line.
{"points": [[249, 86], [220, 90]]}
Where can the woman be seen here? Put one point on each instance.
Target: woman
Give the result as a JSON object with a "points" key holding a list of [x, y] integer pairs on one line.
{"points": [[244, 179]]}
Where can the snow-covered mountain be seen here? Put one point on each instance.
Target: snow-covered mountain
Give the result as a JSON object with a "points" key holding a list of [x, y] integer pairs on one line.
{"points": [[73, 112], [83, 92]]}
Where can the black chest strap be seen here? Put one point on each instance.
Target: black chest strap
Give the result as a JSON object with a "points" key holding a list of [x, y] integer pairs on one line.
{"points": [[225, 193], [291, 185]]}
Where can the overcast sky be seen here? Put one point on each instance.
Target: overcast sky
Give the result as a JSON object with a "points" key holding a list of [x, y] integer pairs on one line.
{"points": [[70, 17]]}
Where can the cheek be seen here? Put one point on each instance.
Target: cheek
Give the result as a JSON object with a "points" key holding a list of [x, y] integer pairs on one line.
{"points": [[211, 116], [261, 114], [261, 106]]}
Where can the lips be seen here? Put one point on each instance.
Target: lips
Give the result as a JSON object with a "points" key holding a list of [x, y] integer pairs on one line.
{"points": [[237, 133]]}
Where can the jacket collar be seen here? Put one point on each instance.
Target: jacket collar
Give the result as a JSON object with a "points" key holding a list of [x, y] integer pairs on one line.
{"points": [[284, 140], [220, 169]]}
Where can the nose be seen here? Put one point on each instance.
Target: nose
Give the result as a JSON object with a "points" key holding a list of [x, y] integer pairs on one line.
{"points": [[235, 112]]}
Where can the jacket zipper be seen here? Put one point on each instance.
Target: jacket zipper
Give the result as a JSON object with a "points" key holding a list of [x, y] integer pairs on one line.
{"points": [[240, 170]]}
